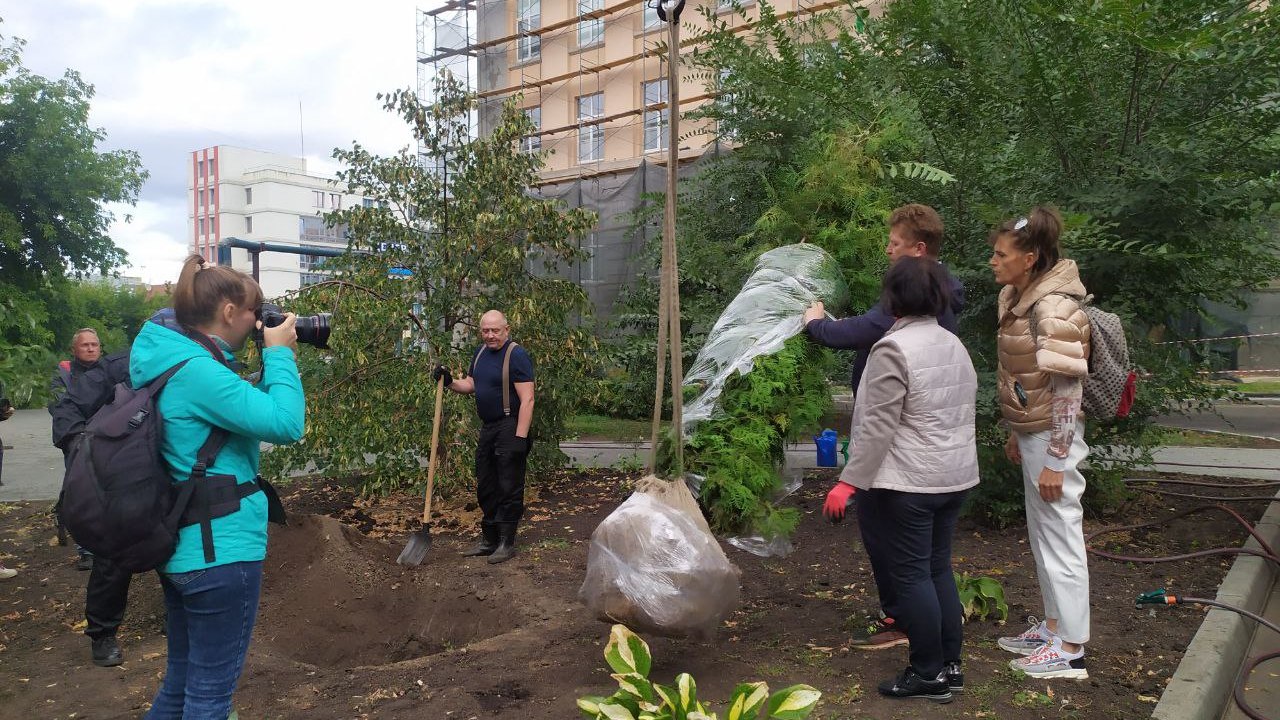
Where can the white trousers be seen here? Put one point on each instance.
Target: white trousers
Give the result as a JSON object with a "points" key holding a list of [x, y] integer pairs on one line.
{"points": [[1056, 533]]}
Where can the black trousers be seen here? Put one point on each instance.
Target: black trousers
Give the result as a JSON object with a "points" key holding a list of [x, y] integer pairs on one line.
{"points": [[500, 469], [106, 594], [105, 598], [918, 551], [874, 528]]}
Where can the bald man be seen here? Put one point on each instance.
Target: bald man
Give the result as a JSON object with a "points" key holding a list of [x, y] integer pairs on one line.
{"points": [[502, 381]]}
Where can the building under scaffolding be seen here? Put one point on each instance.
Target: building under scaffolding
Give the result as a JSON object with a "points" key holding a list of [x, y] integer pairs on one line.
{"points": [[591, 76]]}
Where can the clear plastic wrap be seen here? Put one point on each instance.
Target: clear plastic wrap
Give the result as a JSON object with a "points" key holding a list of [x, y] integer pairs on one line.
{"points": [[654, 566], [766, 313]]}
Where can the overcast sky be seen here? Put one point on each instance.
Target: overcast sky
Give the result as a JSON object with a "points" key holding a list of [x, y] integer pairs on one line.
{"points": [[176, 76]]}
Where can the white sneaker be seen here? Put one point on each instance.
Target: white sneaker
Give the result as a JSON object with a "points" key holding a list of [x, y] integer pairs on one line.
{"points": [[1028, 642], [7, 573], [1051, 661]]}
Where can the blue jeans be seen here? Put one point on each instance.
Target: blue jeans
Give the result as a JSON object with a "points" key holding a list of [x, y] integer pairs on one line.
{"points": [[918, 553], [210, 619]]}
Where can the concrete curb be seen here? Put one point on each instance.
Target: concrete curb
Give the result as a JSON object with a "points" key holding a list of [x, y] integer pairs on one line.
{"points": [[1201, 687]]}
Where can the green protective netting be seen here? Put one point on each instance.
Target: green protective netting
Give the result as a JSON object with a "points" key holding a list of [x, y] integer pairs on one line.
{"points": [[765, 314]]}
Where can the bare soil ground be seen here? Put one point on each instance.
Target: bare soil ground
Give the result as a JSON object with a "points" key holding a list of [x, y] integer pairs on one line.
{"points": [[344, 632]]}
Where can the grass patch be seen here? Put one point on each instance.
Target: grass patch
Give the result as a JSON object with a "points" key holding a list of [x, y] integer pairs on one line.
{"points": [[1177, 437], [1256, 387], [601, 427]]}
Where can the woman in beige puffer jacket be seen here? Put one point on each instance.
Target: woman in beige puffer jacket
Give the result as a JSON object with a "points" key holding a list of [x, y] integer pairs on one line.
{"points": [[1043, 348]]}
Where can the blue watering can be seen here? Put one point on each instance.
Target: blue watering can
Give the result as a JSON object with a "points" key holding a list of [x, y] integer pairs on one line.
{"points": [[826, 443]]}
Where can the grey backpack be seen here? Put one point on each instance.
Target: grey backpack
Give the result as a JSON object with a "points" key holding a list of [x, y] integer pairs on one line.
{"points": [[1111, 385]]}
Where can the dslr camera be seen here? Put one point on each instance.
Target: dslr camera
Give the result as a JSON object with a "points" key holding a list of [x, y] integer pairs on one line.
{"points": [[312, 329]]}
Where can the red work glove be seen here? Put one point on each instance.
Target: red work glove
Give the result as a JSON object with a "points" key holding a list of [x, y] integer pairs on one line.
{"points": [[837, 500]]}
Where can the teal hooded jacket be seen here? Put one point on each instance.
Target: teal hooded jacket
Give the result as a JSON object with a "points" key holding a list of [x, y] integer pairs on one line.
{"points": [[206, 394]]}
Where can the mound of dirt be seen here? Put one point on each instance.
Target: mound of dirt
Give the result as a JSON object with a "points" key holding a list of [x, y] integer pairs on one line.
{"points": [[332, 597]]}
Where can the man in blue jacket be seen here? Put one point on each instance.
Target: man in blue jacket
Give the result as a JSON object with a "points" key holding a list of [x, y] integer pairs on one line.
{"points": [[914, 231]]}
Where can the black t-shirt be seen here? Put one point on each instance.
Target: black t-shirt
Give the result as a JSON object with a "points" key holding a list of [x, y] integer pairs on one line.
{"points": [[487, 374]]}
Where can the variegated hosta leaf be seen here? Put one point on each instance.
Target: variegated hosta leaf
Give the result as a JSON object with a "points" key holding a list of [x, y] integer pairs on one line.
{"points": [[635, 684], [590, 705], [687, 691], [746, 701], [627, 652], [793, 703], [616, 712]]}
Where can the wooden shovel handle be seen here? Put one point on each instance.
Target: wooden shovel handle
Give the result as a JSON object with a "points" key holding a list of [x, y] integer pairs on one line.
{"points": [[435, 443]]}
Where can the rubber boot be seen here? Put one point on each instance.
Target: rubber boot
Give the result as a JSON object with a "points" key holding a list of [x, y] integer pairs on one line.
{"points": [[488, 542], [506, 545], [106, 651]]}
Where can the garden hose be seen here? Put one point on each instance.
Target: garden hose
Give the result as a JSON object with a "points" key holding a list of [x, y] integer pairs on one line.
{"points": [[1160, 597]]}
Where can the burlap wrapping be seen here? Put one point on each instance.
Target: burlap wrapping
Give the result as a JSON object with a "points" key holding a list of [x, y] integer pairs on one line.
{"points": [[654, 565]]}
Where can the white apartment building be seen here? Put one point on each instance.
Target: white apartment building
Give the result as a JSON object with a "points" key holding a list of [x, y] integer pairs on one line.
{"points": [[266, 197]]}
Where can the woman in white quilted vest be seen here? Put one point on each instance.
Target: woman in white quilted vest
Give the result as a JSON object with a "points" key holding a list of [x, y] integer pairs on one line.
{"points": [[912, 454], [1043, 348]]}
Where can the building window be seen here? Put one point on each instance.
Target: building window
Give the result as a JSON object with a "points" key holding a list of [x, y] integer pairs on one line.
{"points": [[656, 119], [200, 226], [248, 196], [367, 202], [213, 200], [312, 228], [200, 197], [528, 18], [248, 224], [199, 168], [590, 135], [651, 19], [532, 143], [335, 201], [213, 167], [318, 198], [590, 32], [306, 278], [309, 263]]}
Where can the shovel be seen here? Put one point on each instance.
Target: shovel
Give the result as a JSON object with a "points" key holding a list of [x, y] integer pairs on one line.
{"points": [[415, 551]]}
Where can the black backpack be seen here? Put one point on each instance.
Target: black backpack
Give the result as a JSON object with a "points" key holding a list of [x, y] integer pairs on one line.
{"points": [[119, 500]]}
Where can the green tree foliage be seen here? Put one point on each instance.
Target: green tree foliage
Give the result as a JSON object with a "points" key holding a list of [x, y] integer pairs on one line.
{"points": [[486, 244], [54, 184], [53, 180], [1152, 125]]}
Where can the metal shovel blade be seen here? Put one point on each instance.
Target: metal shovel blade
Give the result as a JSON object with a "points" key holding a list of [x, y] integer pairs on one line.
{"points": [[415, 551]]}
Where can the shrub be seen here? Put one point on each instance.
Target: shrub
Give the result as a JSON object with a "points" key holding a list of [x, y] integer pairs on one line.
{"points": [[638, 698]]}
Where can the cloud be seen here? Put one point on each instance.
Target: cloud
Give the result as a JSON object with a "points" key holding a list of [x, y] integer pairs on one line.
{"points": [[172, 77]]}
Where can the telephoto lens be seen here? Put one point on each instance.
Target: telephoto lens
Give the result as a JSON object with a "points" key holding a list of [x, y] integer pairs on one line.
{"points": [[312, 329]]}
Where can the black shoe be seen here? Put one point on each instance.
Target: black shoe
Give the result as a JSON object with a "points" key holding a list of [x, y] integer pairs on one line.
{"points": [[953, 677], [84, 562], [106, 652], [911, 685]]}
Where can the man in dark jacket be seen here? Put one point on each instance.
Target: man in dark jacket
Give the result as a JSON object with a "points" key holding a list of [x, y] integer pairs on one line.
{"points": [[88, 383], [914, 231]]}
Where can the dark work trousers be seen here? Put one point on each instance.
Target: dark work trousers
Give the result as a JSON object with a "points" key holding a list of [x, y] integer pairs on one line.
{"points": [[500, 467], [918, 550], [874, 528], [106, 594], [105, 598]]}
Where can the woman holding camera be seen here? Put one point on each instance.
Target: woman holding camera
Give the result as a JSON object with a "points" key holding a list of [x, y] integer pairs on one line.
{"points": [[212, 582], [913, 458], [1043, 347]]}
